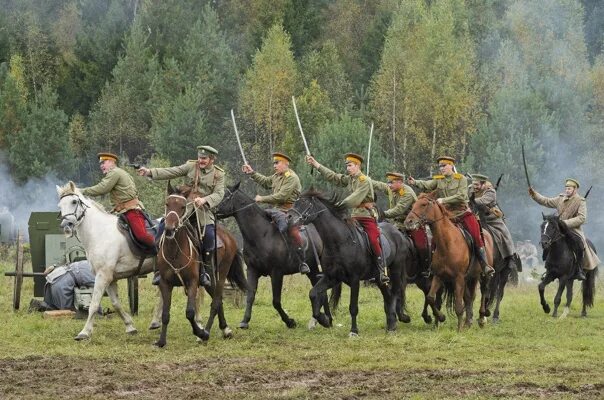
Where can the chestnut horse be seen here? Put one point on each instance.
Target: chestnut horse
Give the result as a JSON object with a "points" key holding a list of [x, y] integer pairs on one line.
{"points": [[453, 265], [178, 265]]}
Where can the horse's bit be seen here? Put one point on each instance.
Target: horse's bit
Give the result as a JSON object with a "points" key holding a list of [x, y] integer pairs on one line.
{"points": [[79, 204], [423, 219]]}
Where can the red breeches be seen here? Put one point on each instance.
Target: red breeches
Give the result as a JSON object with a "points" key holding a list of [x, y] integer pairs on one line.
{"points": [[373, 233], [294, 233], [136, 220], [469, 221], [420, 238]]}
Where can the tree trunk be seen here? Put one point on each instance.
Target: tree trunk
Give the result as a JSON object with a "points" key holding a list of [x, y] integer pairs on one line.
{"points": [[433, 152], [393, 116]]}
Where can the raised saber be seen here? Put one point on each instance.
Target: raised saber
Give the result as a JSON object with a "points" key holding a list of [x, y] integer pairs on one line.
{"points": [[237, 135], [369, 148], [587, 194], [300, 126], [528, 181]]}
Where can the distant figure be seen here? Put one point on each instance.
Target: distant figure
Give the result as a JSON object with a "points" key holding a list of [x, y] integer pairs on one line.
{"points": [[527, 252], [61, 282]]}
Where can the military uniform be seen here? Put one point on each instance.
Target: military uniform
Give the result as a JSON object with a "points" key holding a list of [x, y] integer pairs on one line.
{"points": [[123, 197], [452, 190], [207, 183], [360, 201], [286, 189], [502, 237], [573, 211]]}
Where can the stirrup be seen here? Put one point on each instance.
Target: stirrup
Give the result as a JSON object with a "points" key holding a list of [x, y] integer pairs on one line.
{"points": [[304, 269], [204, 280], [489, 273], [156, 278]]}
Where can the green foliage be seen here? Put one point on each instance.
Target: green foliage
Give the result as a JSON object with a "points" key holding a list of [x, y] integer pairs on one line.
{"points": [[13, 101], [46, 127]]}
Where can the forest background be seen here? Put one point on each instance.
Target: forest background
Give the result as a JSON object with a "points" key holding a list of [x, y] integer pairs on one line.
{"points": [[152, 79]]}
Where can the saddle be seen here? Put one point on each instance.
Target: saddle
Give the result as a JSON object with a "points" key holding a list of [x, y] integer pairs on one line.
{"points": [[384, 243], [138, 248]]}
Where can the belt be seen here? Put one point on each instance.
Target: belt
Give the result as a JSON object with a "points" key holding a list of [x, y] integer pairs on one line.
{"points": [[127, 205], [368, 205], [286, 206]]}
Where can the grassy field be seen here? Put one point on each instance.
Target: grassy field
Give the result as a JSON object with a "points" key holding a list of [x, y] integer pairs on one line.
{"points": [[527, 355]]}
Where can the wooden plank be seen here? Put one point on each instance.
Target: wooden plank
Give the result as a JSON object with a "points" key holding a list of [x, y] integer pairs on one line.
{"points": [[58, 314]]}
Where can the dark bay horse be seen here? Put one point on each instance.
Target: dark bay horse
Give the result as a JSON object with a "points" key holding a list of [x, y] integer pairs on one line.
{"points": [[453, 264], [346, 258], [178, 265], [266, 252], [560, 264]]}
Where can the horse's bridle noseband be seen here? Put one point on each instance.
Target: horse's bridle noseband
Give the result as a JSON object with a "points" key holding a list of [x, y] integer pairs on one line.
{"points": [[303, 215], [79, 204], [550, 240], [423, 219]]}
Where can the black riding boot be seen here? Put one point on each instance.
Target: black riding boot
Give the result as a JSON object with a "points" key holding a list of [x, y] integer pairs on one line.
{"points": [[304, 269], [381, 265], [487, 270], [206, 263], [517, 262]]}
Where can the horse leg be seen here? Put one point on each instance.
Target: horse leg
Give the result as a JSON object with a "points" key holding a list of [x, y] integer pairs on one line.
{"points": [[252, 285], [325, 303], [157, 310], [460, 288], [353, 307], [115, 301], [425, 315], [315, 296], [166, 296], [431, 299], [499, 293], [392, 301], [484, 311], [227, 333], [468, 300], [101, 281], [277, 285], [547, 279], [569, 298], [190, 311], [198, 303], [558, 297]]}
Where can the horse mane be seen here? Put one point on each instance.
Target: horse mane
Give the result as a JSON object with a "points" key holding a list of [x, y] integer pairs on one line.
{"points": [[338, 210], [555, 218], [70, 188], [431, 196]]}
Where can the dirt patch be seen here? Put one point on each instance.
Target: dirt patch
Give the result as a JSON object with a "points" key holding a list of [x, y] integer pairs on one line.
{"points": [[71, 378]]}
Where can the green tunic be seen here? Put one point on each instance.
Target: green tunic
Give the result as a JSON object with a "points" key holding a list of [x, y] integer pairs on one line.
{"points": [[399, 202], [120, 186], [499, 230], [286, 188], [452, 189], [359, 186], [210, 185]]}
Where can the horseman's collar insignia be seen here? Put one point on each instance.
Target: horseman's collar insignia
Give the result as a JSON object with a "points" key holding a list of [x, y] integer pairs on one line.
{"points": [[362, 178], [218, 168], [438, 177], [401, 191], [457, 176], [287, 174]]}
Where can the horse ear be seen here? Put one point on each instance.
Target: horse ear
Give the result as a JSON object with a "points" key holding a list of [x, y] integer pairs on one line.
{"points": [[543, 215], [72, 186], [59, 190], [236, 186], [169, 188]]}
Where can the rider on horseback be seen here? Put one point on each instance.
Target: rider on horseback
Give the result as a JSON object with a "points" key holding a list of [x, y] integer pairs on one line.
{"points": [[572, 210], [286, 188], [123, 196], [452, 191], [206, 181], [484, 195], [400, 200], [361, 202]]}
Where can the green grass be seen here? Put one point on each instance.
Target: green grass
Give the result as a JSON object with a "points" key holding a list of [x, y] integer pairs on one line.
{"points": [[528, 354]]}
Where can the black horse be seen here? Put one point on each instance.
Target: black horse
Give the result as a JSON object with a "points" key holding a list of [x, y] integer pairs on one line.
{"points": [[560, 264], [346, 258], [266, 252]]}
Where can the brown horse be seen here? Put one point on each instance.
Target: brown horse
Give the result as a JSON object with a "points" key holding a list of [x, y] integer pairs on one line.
{"points": [[453, 265], [178, 265]]}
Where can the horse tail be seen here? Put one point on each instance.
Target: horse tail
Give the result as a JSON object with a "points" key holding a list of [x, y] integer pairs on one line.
{"points": [[589, 288], [449, 292], [334, 298], [236, 275]]}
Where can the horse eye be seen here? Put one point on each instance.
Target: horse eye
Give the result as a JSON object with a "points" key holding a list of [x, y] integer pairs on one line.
{"points": [[74, 202]]}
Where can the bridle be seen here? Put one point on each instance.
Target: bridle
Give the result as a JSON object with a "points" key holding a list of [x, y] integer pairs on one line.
{"points": [[557, 236], [79, 204], [228, 198], [181, 219], [423, 219], [304, 215]]}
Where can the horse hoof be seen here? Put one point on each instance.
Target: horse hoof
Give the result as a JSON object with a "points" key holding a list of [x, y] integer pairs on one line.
{"points": [[495, 320], [546, 309], [353, 335], [312, 324], [132, 331], [160, 344], [244, 325], [441, 318], [291, 324], [482, 322], [205, 335], [154, 325], [405, 319], [82, 336], [227, 333], [427, 319], [323, 320], [487, 313]]}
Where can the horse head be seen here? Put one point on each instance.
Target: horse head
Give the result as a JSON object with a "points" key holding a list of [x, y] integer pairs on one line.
{"points": [[425, 211], [234, 200], [310, 205], [72, 207], [176, 210], [552, 230]]}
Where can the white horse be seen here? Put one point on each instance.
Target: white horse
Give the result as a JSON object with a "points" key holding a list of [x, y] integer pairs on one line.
{"points": [[106, 249]]}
